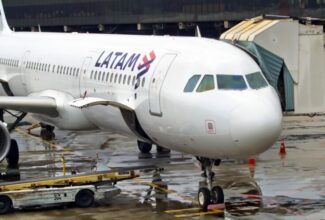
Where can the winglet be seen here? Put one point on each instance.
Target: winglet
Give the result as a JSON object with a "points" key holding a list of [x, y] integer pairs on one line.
{"points": [[4, 27]]}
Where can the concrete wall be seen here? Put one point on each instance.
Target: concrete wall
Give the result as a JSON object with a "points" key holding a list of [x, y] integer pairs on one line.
{"points": [[310, 90], [274, 40]]}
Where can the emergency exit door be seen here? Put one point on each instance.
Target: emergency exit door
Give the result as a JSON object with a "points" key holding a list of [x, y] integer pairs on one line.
{"points": [[157, 82]]}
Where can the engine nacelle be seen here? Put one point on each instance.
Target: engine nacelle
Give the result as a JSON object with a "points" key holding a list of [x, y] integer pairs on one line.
{"points": [[69, 118], [4, 141]]}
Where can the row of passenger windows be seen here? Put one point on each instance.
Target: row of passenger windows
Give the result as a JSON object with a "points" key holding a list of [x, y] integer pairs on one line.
{"points": [[115, 78], [226, 82], [9, 62], [73, 71], [65, 70]]}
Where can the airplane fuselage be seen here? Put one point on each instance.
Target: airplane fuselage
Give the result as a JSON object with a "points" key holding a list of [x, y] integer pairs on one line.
{"points": [[148, 74]]}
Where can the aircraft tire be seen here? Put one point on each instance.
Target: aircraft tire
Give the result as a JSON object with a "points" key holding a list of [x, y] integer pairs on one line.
{"points": [[204, 198], [47, 134], [218, 196], [13, 154], [144, 147], [5, 204], [161, 149], [84, 198]]}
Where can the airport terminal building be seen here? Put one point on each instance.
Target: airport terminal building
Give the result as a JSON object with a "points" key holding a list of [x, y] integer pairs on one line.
{"points": [[177, 17]]}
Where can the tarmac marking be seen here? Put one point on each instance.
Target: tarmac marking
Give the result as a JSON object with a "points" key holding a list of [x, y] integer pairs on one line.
{"points": [[143, 181], [181, 210], [51, 144], [198, 214]]}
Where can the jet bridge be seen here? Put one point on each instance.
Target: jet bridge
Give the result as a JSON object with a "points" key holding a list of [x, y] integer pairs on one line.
{"points": [[291, 54]]}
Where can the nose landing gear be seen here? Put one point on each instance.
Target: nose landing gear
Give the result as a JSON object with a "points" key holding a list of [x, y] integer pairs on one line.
{"points": [[208, 192]]}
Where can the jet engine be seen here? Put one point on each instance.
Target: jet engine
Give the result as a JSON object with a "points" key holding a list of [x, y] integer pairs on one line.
{"points": [[4, 141]]}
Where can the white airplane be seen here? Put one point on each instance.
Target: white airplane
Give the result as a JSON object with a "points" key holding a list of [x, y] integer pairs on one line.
{"points": [[199, 96]]}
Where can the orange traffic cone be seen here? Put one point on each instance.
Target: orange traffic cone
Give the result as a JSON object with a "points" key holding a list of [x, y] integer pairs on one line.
{"points": [[251, 166], [282, 150], [252, 162]]}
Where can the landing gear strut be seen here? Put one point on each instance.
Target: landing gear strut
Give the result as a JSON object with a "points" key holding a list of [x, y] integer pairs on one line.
{"points": [[145, 148], [208, 192]]}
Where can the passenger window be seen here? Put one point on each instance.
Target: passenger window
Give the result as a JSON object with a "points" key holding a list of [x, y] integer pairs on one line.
{"points": [[256, 80], [107, 76], [91, 74], [124, 79], [191, 84], [53, 70], [95, 76], [99, 74], [115, 78], [231, 82], [77, 72], [207, 84], [129, 80], [120, 79], [133, 81], [112, 75], [103, 78], [143, 81]]}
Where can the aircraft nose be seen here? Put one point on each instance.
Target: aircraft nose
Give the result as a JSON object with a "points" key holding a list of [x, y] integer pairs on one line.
{"points": [[255, 127]]}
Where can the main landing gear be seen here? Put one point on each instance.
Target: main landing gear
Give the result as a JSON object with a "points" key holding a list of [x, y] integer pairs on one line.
{"points": [[47, 132], [145, 148], [208, 192]]}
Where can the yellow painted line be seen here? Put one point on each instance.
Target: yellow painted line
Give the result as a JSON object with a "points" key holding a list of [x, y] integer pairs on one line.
{"points": [[142, 181], [52, 145], [198, 214], [181, 210]]}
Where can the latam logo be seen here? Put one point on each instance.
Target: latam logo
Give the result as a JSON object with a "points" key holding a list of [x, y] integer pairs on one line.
{"points": [[125, 61], [145, 66]]}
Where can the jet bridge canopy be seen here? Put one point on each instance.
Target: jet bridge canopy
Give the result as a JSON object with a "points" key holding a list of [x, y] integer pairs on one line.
{"points": [[291, 54]]}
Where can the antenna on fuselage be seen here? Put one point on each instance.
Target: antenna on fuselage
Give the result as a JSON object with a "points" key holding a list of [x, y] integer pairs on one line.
{"points": [[197, 31]]}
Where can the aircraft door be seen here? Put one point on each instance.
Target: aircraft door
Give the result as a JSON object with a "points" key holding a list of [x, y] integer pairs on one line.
{"points": [[156, 83], [83, 76]]}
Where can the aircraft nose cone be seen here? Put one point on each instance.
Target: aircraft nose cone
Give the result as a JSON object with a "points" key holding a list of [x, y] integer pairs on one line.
{"points": [[255, 127]]}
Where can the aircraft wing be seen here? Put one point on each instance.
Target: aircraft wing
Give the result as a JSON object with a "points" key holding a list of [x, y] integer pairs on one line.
{"points": [[48, 106], [38, 105]]}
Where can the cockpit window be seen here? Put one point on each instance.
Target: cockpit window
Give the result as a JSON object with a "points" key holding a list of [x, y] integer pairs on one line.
{"points": [[231, 82], [206, 84], [256, 80], [192, 82]]}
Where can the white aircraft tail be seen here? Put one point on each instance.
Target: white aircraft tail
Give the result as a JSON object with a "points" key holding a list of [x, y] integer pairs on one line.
{"points": [[4, 27]]}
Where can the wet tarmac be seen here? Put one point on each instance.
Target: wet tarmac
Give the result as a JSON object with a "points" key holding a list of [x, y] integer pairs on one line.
{"points": [[290, 186]]}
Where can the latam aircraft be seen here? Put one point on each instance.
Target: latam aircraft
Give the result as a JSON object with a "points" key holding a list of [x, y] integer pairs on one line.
{"points": [[194, 95]]}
